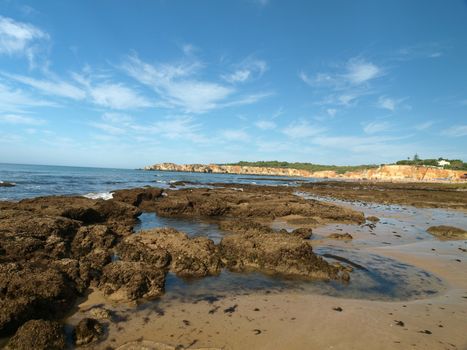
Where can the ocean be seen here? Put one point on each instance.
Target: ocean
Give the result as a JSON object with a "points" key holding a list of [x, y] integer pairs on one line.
{"points": [[45, 180]]}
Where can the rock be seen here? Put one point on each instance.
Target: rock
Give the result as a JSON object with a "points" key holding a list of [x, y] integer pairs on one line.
{"points": [[190, 257], [302, 232], [340, 236], [135, 249], [139, 197], [130, 281], [277, 253], [244, 227], [87, 331], [258, 202], [38, 335], [373, 219], [7, 184], [448, 232], [100, 313], [31, 291]]}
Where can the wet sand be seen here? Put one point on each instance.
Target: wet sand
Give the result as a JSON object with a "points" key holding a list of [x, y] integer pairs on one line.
{"points": [[284, 318]]}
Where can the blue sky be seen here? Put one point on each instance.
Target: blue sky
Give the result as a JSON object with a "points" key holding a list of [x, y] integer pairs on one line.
{"points": [[130, 83]]}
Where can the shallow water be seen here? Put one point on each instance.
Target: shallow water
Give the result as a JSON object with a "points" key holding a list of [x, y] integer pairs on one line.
{"points": [[378, 278]]}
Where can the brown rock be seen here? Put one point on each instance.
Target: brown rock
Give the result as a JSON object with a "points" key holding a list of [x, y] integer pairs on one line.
{"points": [[139, 197], [129, 281], [190, 257], [88, 331], [340, 236], [448, 232], [38, 335], [278, 253]]}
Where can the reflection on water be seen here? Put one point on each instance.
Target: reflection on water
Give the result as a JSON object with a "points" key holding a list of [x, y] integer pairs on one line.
{"points": [[194, 228], [380, 278], [374, 277]]}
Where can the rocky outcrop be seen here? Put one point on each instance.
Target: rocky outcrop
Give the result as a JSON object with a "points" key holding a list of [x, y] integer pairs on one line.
{"points": [[38, 335], [87, 331], [189, 257], [276, 253], [403, 173], [447, 232], [252, 202]]}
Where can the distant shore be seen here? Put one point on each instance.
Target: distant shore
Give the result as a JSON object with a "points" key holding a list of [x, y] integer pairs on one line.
{"points": [[391, 173]]}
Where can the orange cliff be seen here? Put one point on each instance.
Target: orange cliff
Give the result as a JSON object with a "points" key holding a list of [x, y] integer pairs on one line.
{"points": [[397, 173]]}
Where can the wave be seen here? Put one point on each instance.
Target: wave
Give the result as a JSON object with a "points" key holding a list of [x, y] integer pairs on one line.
{"points": [[99, 195]]}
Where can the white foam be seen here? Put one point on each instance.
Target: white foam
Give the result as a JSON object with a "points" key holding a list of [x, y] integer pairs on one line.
{"points": [[99, 195]]}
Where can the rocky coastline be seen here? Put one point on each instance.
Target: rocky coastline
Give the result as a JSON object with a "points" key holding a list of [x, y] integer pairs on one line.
{"points": [[53, 249], [393, 173]]}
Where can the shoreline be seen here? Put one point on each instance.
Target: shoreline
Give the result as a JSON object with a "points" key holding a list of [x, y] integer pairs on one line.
{"points": [[160, 285], [384, 173]]}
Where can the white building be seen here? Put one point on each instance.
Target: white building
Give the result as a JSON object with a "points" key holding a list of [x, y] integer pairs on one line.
{"points": [[443, 162]]}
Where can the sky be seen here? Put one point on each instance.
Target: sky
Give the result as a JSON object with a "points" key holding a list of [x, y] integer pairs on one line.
{"points": [[130, 83]]}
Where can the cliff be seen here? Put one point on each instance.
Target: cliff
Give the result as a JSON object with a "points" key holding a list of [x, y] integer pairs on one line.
{"points": [[403, 173]]}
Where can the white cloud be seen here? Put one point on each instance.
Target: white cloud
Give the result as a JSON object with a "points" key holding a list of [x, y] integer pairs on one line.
{"points": [[117, 96], [425, 125], [117, 118], [302, 129], [174, 85], [360, 71], [331, 112], [376, 127], [235, 135], [51, 87], [178, 87], [456, 131], [17, 100], [248, 69], [179, 127], [18, 38], [387, 103], [265, 124], [19, 119], [108, 128]]}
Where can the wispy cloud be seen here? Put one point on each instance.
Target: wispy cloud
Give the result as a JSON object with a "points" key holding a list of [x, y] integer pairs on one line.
{"points": [[376, 127], [302, 129], [424, 126], [20, 119], [17, 100], [18, 38], [179, 87], [55, 87], [248, 69], [456, 131], [265, 124], [387, 103], [117, 96], [360, 71], [235, 135]]}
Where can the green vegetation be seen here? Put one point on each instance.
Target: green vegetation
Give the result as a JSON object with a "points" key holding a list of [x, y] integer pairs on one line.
{"points": [[304, 166], [455, 164]]}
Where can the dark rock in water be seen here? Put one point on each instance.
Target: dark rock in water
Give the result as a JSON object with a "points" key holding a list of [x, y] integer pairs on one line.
{"points": [[447, 232], [139, 197], [303, 232], [29, 291], [244, 227], [340, 236], [38, 335], [373, 219], [279, 253], [129, 281], [88, 331], [189, 257], [7, 184]]}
